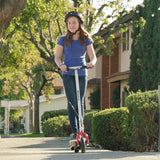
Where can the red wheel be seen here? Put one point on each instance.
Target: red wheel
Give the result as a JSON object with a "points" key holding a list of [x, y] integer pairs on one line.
{"points": [[83, 134]]}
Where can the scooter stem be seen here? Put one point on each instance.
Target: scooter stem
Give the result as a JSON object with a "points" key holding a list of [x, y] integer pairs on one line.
{"points": [[81, 127]]}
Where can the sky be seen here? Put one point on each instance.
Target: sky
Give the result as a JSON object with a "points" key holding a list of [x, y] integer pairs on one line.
{"points": [[135, 2], [97, 3], [132, 2]]}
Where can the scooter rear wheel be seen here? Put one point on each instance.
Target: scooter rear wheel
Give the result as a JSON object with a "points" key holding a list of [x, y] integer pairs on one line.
{"points": [[76, 150]]}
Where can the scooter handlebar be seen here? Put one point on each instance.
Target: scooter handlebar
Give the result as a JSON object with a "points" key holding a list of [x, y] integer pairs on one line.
{"points": [[76, 67]]}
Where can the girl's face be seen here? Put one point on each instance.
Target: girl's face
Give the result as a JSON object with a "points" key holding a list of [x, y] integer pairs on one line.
{"points": [[73, 24]]}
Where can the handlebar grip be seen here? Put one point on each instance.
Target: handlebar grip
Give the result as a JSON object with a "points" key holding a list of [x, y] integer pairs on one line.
{"points": [[83, 67]]}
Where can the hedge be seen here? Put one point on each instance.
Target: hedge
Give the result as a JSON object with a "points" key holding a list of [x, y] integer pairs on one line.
{"points": [[60, 123], [143, 117], [50, 114], [88, 121], [56, 127], [110, 129], [134, 127]]}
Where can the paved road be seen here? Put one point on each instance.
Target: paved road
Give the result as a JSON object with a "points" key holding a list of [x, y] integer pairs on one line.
{"points": [[58, 149]]}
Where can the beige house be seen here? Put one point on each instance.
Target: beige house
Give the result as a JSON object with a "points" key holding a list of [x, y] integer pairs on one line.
{"points": [[94, 76], [116, 68]]}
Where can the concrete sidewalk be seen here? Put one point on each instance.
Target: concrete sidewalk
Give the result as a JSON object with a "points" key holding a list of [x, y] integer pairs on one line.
{"points": [[58, 148]]}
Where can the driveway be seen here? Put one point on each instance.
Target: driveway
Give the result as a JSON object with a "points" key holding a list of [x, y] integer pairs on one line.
{"points": [[54, 148]]}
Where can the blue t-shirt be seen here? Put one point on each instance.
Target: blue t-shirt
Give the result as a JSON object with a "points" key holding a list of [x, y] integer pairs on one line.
{"points": [[75, 55]]}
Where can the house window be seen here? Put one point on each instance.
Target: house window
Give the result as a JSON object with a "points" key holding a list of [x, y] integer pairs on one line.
{"points": [[57, 91], [126, 40]]}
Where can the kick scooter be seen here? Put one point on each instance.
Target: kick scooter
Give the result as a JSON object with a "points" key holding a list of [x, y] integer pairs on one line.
{"points": [[82, 137]]}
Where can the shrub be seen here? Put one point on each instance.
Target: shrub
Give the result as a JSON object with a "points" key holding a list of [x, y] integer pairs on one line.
{"points": [[88, 121], [95, 98], [143, 117], [1, 131], [109, 128], [51, 114], [57, 127], [51, 125]]}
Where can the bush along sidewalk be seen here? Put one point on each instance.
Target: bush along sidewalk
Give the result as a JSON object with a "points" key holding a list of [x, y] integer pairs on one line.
{"points": [[143, 117], [50, 114], [134, 127], [56, 123], [56, 127], [110, 129]]}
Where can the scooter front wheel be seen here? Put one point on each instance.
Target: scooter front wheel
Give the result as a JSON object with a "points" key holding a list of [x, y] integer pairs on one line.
{"points": [[83, 145]]}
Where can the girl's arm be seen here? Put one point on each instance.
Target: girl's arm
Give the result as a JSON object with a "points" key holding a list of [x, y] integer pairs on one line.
{"points": [[92, 56], [58, 58]]}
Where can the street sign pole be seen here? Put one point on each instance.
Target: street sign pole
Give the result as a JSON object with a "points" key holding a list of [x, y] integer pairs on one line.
{"points": [[159, 116]]}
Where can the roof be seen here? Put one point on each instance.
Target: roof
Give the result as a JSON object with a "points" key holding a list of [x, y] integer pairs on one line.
{"points": [[125, 20], [94, 81], [119, 76], [58, 83], [22, 104], [15, 104]]}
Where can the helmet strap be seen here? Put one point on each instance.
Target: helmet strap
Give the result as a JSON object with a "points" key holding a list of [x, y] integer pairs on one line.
{"points": [[75, 31]]}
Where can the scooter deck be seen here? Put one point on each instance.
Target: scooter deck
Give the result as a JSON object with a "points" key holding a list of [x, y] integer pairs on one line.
{"points": [[73, 143], [74, 146]]}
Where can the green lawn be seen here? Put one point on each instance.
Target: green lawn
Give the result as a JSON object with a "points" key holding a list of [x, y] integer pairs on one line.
{"points": [[24, 135]]}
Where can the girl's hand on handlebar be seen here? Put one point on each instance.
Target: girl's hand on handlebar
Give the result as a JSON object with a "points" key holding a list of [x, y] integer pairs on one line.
{"points": [[89, 65], [63, 68]]}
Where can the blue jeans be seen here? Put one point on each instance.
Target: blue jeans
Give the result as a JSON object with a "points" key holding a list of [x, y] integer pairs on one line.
{"points": [[70, 89]]}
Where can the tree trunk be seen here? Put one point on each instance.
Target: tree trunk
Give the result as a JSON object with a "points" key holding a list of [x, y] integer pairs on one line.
{"points": [[31, 116], [5, 53], [36, 115], [8, 10]]}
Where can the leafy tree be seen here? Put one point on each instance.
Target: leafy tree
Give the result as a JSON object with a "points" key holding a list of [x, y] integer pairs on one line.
{"points": [[40, 24], [25, 70], [9, 9], [135, 82], [9, 65], [148, 46], [39, 27], [4, 44]]}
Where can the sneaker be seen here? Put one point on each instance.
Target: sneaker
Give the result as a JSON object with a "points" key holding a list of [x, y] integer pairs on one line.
{"points": [[73, 136], [73, 140]]}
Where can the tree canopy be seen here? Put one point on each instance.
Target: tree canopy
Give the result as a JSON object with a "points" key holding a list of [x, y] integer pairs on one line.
{"points": [[145, 49]]}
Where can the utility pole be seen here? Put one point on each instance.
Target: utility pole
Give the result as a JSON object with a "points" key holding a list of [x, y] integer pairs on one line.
{"points": [[7, 110], [159, 116]]}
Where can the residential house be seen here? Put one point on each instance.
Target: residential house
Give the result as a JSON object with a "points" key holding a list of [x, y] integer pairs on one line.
{"points": [[57, 102], [115, 69], [94, 76]]}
